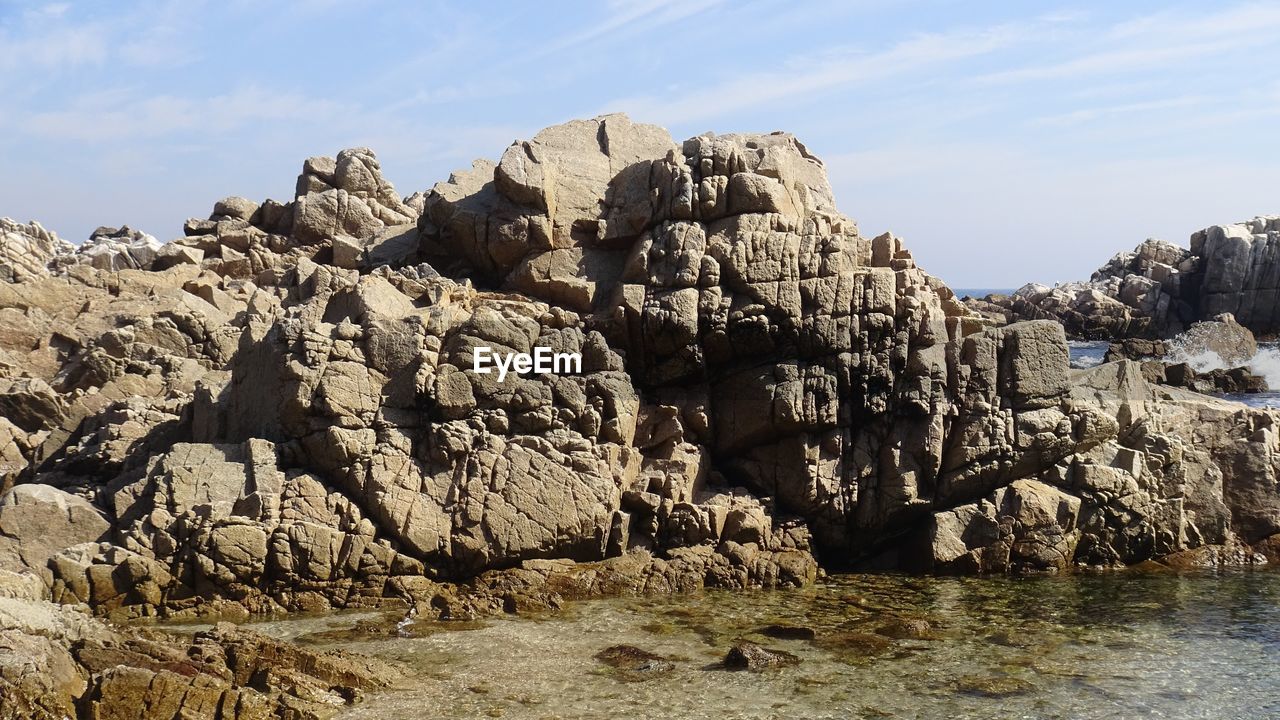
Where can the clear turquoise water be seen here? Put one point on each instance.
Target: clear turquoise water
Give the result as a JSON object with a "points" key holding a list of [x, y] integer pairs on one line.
{"points": [[1119, 645]]}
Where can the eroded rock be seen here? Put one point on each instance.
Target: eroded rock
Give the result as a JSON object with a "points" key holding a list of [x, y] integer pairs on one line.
{"points": [[27, 250], [283, 411]]}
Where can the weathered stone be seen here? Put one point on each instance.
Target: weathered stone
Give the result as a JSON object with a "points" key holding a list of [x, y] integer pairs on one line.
{"points": [[753, 657], [1221, 340], [119, 249], [30, 404], [27, 250], [284, 411], [1028, 526], [57, 662], [345, 197], [234, 208], [38, 521], [332, 213]]}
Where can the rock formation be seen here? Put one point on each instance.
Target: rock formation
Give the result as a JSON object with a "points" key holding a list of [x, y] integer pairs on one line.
{"points": [[57, 662], [120, 248], [1160, 289], [1174, 472], [1221, 339], [281, 411], [27, 250]]}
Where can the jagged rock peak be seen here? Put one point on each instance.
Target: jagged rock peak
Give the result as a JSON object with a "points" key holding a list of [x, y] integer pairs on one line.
{"points": [[26, 249], [557, 216]]}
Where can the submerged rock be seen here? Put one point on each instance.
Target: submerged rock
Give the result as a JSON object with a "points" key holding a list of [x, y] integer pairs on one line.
{"points": [[634, 662], [788, 632], [993, 686], [907, 629], [756, 658], [853, 644]]}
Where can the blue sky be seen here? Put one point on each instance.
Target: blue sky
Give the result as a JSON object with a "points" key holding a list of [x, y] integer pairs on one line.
{"points": [[1005, 141]]}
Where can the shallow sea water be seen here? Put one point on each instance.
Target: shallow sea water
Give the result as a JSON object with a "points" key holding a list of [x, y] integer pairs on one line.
{"points": [[1127, 645]]}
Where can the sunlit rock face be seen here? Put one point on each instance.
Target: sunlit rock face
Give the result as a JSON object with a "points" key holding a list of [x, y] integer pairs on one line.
{"points": [[27, 250], [284, 409]]}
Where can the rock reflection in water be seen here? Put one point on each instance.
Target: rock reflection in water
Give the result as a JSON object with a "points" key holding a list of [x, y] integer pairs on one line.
{"points": [[1084, 646]]}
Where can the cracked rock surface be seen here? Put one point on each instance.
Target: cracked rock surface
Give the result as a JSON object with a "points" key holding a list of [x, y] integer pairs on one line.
{"points": [[279, 410]]}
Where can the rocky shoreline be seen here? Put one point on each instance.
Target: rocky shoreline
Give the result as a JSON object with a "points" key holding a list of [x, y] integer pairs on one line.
{"points": [[279, 412], [58, 662]]}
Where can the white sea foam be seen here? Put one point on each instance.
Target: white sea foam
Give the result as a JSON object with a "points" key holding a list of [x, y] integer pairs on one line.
{"points": [[1086, 353], [1265, 363]]}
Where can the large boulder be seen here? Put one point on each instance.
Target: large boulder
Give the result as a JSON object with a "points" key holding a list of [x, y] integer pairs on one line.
{"points": [[1221, 342], [39, 521], [346, 198], [1027, 526]]}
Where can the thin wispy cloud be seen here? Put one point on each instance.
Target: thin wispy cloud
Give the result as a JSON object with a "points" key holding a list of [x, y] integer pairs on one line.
{"points": [[626, 18], [808, 75], [1158, 41], [1242, 20], [56, 49], [1097, 113], [46, 11], [117, 116]]}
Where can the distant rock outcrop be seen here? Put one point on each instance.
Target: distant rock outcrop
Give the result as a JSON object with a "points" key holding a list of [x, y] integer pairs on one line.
{"points": [[120, 248], [1160, 289]]}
